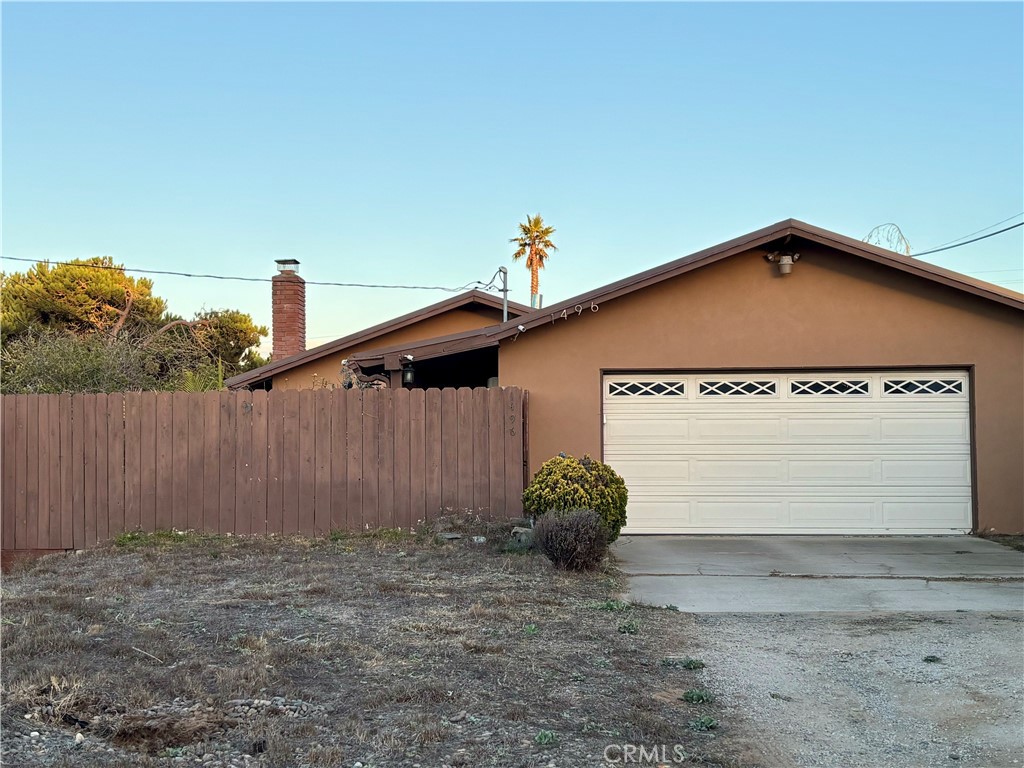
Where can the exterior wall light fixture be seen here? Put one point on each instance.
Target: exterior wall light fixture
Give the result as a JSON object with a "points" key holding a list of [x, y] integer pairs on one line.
{"points": [[785, 261], [408, 372]]}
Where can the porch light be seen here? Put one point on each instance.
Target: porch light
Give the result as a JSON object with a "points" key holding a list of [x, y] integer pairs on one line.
{"points": [[785, 261], [408, 372]]}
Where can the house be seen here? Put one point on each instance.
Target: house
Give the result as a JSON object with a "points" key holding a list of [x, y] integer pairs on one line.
{"points": [[792, 380], [295, 367]]}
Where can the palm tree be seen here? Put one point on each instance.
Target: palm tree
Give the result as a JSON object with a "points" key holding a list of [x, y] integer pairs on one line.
{"points": [[534, 242]]}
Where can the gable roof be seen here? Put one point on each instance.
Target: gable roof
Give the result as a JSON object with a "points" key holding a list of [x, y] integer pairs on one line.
{"points": [[460, 301], [768, 236]]}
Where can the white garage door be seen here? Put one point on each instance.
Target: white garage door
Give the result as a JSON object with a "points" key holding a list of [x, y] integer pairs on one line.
{"points": [[830, 452]]}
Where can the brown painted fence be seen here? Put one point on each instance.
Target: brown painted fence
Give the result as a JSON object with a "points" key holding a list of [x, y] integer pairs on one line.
{"points": [[79, 469]]}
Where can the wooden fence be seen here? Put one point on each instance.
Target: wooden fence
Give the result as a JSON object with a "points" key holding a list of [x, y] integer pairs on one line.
{"points": [[79, 469]]}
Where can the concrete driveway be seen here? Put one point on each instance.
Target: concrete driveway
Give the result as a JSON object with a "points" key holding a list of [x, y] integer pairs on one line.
{"points": [[772, 574]]}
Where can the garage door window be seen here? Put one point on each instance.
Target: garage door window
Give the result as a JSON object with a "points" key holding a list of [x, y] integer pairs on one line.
{"points": [[829, 387], [741, 388], [923, 387], [647, 388]]}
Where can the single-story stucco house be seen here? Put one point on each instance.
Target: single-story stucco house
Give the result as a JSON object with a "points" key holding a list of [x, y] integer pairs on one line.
{"points": [[295, 367], [792, 380]]}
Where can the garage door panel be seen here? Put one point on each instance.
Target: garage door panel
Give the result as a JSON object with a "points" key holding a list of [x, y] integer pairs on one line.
{"points": [[834, 514], [951, 429], [735, 513], [934, 471], [737, 470], [625, 429], [865, 429], [826, 453], [932, 512], [645, 468], [850, 470], [738, 429]]}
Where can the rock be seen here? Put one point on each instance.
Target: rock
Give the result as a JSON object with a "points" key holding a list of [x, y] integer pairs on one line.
{"points": [[79, 738], [522, 535], [34, 734]]}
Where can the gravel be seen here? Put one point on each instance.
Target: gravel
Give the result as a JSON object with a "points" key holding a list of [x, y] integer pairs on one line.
{"points": [[846, 690]]}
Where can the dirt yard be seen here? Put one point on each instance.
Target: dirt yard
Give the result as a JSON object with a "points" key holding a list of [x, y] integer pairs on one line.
{"points": [[372, 651]]}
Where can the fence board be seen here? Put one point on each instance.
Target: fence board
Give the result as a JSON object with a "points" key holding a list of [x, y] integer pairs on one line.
{"points": [[89, 461], [258, 483], [148, 440], [115, 464], [132, 460], [9, 488], [290, 461], [275, 464], [402, 510], [53, 440], [164, 461], [81, 468], [307, 461], [211, 463], [432, 453], [513, 451], [386, 459], [354, 463], [228, 458], [371, 464], [242, 403], [339, 460], [67, 534], [194, 466], [464, 446], [49, 445], [449, 450], [496, 451], [179, 460], [481, 470], [31, 536], [102, 400], [417, 456], [78, 471], [322, 471]]}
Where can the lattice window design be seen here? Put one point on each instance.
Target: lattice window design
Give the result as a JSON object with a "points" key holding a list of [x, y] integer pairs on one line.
{"points": [[922, 387], [647, 388], [736, 388], [829, 387]]}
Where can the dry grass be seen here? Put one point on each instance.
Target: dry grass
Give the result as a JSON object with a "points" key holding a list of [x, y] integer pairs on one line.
{"points": [[410, 651]]}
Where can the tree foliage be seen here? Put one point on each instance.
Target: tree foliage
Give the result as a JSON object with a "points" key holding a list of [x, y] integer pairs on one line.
{"points": [[534, 242], [86, 326], [81, 296]]}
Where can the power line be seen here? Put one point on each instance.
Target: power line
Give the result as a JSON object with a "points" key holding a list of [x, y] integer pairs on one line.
{"points": [[468, 286], [983, 229], [968, 242]]}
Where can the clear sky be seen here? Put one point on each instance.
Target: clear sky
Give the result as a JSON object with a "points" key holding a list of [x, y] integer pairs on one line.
{"points": [[402, 143]]}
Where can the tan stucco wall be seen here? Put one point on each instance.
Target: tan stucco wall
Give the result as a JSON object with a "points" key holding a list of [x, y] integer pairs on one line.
{"points": [[833, 311], [326, 371]]}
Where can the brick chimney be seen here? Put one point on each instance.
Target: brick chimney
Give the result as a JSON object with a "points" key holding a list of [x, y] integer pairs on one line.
{"points": [[289, 310]]}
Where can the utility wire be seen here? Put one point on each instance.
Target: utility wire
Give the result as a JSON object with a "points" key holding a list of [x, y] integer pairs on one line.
{"points": [[983, 229], [468, 286], [968, 242]]}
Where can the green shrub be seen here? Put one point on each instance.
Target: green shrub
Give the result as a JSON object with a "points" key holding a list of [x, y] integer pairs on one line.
{"points": [[575, 540], [566, 483]]}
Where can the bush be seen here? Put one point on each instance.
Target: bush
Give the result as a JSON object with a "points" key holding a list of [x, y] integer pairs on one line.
{"points": [[576, 541], [566, 483]]}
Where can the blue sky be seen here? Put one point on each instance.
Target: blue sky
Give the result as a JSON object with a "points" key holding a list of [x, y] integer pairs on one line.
{"points": [[402, 143]]}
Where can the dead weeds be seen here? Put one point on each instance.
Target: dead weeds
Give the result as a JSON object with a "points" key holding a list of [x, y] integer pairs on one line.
{"points": [[396, 651]]}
